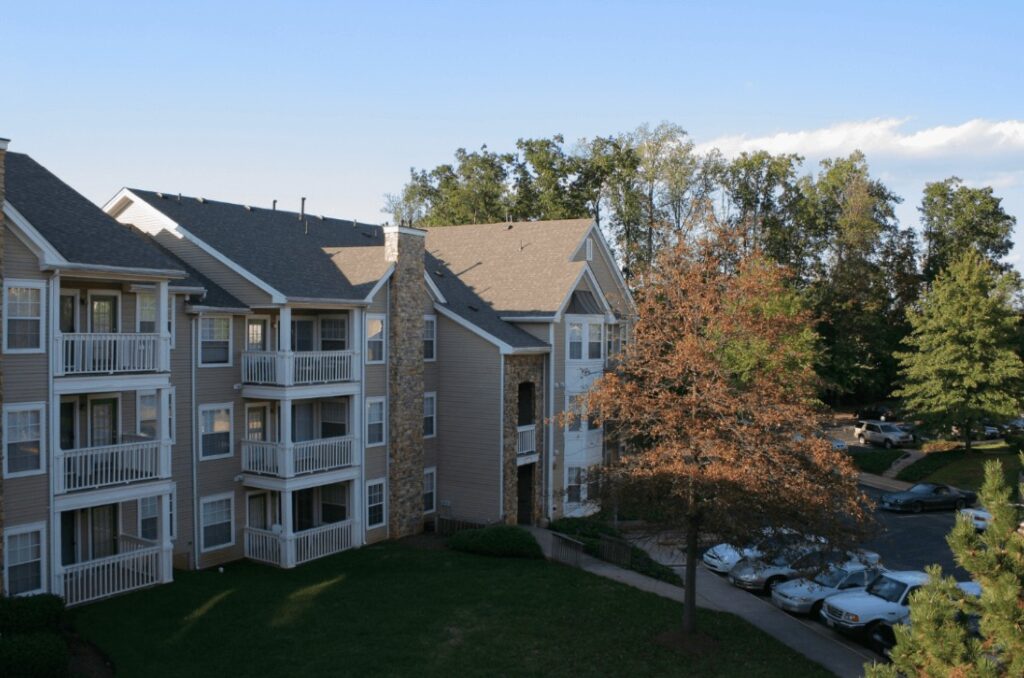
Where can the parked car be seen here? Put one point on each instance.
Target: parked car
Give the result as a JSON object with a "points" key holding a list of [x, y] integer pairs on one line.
{"points": [[981, 517], [721, 558], [806, 595], [882, 637], [886, 599], [757, 574], [1014, 426], [928, 496], [881, 433]]}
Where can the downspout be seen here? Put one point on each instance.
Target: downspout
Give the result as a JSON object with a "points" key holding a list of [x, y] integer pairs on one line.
{"points": [[192, 416]]}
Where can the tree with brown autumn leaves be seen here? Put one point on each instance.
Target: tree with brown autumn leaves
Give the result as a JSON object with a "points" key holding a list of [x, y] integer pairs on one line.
{"points": [[714, 398]]}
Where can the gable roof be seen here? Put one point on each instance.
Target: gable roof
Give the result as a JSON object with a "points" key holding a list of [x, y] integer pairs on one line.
{"points": [[522, 268], [78, 230], [304, 258], [215, 296]]}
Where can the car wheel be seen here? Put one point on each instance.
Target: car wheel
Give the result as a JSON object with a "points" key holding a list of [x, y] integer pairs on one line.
{"points": [[861, 440], [888, 444], [917, 507], [816, 611], [959, 504]]}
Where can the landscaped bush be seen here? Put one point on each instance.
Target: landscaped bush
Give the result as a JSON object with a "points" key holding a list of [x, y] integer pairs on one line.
{"points": [[506, 541], [33, 655], [31, 614]]}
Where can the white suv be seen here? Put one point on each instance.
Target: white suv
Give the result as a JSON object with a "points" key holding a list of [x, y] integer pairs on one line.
{"points": [[882, 433], [886, 599]]}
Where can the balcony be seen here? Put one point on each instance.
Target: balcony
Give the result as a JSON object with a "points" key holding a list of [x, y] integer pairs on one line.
{"points": [[297, 368], [282, 550], [287, 460], [91, 468], [110, 353], [526, 439], [140, 564]]}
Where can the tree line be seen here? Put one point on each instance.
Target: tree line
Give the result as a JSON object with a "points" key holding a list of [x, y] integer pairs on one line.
{"points": [[834, 226]]}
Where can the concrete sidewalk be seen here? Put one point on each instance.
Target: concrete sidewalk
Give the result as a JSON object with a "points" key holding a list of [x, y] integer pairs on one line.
{"points": [[883, 483], [809, 638]]}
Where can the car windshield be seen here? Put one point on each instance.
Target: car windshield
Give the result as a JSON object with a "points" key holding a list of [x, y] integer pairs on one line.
{"points": [[887, 589], [830, 578], [921, 488], [889, 428]]}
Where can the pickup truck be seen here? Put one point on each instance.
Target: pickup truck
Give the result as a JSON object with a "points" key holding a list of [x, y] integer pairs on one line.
{"points": [[886, 600]]}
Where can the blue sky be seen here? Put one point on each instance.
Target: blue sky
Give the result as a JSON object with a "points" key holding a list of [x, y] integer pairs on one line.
{"points": [[260, 100]]}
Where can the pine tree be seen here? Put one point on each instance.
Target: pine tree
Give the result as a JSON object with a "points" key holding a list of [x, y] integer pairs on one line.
{"points": [[939, 640], [963, 367]]}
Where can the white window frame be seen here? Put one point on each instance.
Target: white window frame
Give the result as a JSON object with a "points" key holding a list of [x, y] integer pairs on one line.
{"points": [[230, 407], [384, 503], [433, 338], [366, 433], [584, 321], [581, 484], [230, 496], [104, 293], [320, 330], [16, 530], [370, 317], [231, 340], [267, 332], [26, 407], [33, 284], [138, 409], [432, 472], [432, 395], [172, 414], [599, 342], [138, 510], [590, 249], [568, 340], [156, 310]]}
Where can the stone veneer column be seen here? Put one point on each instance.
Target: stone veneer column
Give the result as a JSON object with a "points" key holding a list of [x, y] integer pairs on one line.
{"points": [[520, 368], [405, 247], [3, 191]]}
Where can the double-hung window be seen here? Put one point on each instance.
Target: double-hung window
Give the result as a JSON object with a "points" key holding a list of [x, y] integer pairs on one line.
{"points": [[145, 412], [429, 415], [256, 334], [23, 312], [430, 489], [23, 439], [375, 503], [215, 340], [149, 518], [376, 418], [145, 319], [376, 340], [575, 415], [24, 560], [574, 486], [575, 341], [215, 431], [217, 522], [429, 338], [594, 341]]}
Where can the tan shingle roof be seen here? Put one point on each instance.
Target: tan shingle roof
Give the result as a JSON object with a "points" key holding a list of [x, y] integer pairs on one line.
{"points": [[519, 269]]}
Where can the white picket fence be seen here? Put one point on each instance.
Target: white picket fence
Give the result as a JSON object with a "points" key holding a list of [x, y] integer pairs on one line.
{"points": [[288, 461], [296, 368], [95, 579], [92, 467], [111, 353]]}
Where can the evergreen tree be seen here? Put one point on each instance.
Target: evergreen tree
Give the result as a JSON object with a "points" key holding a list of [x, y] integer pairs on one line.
{"points": [[942, 638], [962, 367]]}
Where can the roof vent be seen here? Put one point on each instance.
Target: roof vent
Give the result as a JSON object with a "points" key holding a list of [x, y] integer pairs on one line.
{"points": [[247, 208], [320, 217], [302, 210], [274, 206], [201, 200], [160, 195], [179, 197], [473, 308], [439, 273]]}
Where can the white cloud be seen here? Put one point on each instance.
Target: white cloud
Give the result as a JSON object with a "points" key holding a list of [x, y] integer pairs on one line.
{"points": [[886, 137]]}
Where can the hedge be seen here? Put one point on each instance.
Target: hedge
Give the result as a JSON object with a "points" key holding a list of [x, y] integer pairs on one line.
{"points": [[33, 655], [506, 541], [30, 614]]}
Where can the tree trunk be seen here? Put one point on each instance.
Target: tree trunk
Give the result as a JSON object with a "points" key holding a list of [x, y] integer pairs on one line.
{"points": [[690, 585]]}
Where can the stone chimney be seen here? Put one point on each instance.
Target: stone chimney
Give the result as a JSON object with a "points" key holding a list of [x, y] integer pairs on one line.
{"points": [[404, 247], [3, 195]]}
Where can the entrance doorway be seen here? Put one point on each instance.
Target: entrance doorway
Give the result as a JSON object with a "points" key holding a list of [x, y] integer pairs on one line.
{"points": [[524, 490]]}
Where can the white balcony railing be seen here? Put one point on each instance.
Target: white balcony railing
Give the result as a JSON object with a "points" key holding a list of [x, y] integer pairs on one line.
{"points": [[297, 368], [93, 467], [294, 459], [526, 439], [110, 353], [291, 550], [94, 579]]}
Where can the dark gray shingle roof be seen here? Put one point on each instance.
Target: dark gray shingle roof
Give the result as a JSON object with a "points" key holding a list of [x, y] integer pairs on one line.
{"points": [[79, 230], [216, 296]]}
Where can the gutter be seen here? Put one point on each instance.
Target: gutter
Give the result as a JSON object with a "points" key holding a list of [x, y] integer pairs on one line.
{"points": [[127, 270]]}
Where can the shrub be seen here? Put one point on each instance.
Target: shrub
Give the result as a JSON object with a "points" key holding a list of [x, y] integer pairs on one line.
{"points": [[33, 655], [875, 461], [505, 541], [591, 528], [30, 614], [940, 446]]}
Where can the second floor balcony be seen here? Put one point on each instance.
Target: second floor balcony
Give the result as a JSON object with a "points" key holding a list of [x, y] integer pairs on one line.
{"points": [[91, 468], [288, 460], [298, 368], [86, 353]]}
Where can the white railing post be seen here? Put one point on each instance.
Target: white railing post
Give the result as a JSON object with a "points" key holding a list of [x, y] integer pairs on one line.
{"points": [[287, 536], [167, 559]]}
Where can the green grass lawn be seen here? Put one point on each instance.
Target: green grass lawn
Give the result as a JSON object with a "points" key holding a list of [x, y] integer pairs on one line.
{"points": [[395, 610], [875, 461], [964, 469]]}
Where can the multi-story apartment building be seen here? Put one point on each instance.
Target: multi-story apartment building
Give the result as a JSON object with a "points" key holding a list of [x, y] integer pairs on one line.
{"points": [[188, 382]]}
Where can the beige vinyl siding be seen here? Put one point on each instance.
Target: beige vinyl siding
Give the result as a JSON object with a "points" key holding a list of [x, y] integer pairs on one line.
{"points": [[377, 374], [27, 499], [605, 276], [557, 429], [147, 219], [538, 330], [19, 262], [216, 385], [181, 451], [469, 424], [431, 384]]}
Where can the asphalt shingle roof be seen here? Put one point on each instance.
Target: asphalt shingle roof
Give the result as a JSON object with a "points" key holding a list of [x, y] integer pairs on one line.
{"points": [[216, 296], [294, 256], [79, 230]]}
